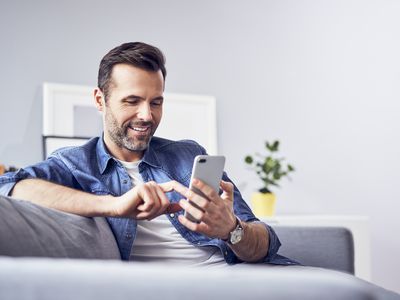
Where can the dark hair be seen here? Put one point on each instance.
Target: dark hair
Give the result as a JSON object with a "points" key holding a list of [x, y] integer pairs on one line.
{"points": [[137, 54]]}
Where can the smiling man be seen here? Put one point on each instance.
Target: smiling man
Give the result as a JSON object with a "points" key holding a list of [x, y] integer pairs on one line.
{"points": [[139, 181]]}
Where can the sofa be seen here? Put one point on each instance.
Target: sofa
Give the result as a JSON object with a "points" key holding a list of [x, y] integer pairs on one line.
{"points": [[48, 254]]}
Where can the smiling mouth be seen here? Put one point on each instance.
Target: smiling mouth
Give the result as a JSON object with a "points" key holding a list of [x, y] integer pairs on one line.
{"points": [[140, 129]]}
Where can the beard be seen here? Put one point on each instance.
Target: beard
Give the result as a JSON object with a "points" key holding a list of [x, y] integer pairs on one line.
{"points": [[120, 134]]}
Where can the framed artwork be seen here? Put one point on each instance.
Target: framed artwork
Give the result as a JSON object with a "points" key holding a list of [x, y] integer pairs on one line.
{"points": [[71, 118], [52, 143]]}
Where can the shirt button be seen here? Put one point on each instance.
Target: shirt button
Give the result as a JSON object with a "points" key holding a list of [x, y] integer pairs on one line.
{"points": [[125, 181], [172, 215], [128, 236], [226, 253]]}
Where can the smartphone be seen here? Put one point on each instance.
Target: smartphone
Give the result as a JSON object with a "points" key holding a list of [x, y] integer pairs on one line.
{"points": [[209, 169]]}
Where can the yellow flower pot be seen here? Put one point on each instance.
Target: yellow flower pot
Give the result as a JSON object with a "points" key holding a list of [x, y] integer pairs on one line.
{"points": [[263, 204]]}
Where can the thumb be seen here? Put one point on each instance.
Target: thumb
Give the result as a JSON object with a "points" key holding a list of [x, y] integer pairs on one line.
{"points": [[227, 188]]}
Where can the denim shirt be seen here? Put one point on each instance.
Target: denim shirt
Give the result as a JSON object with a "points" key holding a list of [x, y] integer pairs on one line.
{"points": [[92, 169]]}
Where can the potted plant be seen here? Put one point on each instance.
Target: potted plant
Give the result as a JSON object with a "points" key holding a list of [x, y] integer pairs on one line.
{"points": [[270, 169]]}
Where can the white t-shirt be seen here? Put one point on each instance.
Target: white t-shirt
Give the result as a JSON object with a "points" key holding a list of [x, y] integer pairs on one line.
{"points": [[158, 240]]}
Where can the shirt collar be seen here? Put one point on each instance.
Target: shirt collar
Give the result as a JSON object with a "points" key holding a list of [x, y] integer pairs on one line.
{"points": [[150, 156], [103, 156]]}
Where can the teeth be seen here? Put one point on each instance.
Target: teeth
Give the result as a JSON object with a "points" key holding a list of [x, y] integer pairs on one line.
{"points": [[140, 128]]}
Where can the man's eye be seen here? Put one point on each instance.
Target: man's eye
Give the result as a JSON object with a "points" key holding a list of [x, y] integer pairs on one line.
{"points": [[132, 102], [156, 103]]}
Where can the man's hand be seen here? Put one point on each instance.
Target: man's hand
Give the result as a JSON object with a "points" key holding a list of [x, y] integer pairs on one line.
{"points": [[146, 201], [217, 219]]}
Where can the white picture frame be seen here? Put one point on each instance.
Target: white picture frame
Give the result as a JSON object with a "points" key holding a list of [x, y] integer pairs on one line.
{"points": [[52, 143], [185, 116]]}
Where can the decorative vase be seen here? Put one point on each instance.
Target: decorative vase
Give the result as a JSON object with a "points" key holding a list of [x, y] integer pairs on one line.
{"points": [[263, 204]]}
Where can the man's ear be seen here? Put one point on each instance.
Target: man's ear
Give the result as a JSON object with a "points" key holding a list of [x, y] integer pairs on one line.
{"points": [[99, 99]]}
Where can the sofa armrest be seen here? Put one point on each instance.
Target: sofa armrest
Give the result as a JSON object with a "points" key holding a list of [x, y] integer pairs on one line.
{"points": [[27, 229], [325, 247]]}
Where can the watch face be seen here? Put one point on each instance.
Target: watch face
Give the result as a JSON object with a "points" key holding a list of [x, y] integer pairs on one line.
{"points": [[236, 235]]}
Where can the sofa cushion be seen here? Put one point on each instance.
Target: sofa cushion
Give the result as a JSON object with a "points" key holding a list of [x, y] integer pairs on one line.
{"points": [[325, 247], [27, 229], [44, 278]]}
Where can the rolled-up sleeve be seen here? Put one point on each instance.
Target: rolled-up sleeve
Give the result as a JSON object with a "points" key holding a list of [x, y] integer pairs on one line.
{"points": [[273, 245], [53, 169]]}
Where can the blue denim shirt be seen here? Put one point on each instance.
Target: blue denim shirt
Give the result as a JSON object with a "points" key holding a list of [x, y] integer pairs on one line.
{"points": [[92, 169]]}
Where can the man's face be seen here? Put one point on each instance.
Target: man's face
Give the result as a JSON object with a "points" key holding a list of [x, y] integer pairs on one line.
{"points": [[133, 110]]}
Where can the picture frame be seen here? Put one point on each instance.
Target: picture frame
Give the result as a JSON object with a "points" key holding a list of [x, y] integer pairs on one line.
{"points": [[53, 143]]}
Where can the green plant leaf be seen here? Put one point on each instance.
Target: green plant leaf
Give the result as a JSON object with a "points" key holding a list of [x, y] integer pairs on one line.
{"points": [[248, 159], [275, 146], [267, 181], [270, 162]]}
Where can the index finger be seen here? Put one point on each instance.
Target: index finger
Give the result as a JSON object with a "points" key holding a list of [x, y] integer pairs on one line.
{"points": [[174, 185]]}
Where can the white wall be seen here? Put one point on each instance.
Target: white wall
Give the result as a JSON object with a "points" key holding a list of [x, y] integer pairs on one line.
{"points": [[322, 76]]}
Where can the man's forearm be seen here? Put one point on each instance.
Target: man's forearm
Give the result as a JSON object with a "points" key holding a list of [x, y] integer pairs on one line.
{"points": [[59, 197], [254, 245]]}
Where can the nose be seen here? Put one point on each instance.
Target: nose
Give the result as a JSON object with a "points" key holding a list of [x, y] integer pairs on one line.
{"points": [[144, 112]]}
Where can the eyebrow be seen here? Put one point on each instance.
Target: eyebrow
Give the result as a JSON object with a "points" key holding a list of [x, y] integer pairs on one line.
{"points": [[141, 98]]}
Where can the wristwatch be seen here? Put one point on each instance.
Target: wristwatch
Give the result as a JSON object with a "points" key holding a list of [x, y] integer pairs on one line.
{"points": [[236, 235]]}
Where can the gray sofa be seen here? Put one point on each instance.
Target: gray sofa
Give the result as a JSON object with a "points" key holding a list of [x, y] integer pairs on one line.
{"points": [[37, 246]]}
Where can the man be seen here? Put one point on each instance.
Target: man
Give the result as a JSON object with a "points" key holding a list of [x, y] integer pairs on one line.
{"points": [[139, 182]]}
